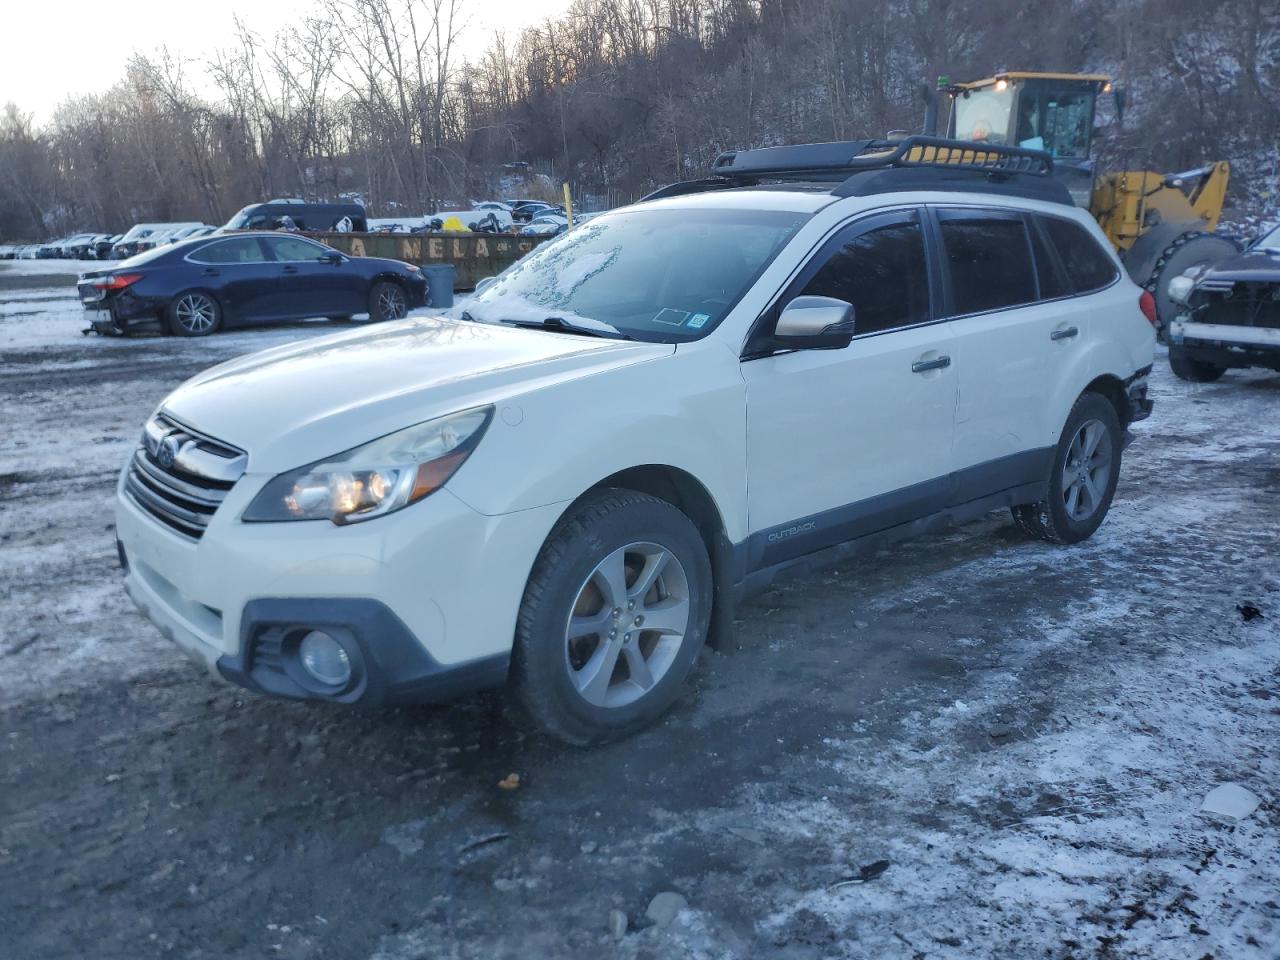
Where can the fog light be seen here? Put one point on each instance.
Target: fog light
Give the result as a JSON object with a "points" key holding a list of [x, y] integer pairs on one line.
{"points": [[324, 658]]}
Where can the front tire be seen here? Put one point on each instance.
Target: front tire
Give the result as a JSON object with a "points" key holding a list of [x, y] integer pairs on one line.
{"points": [[1082, 481], [1187, 367], [613, 617], [387, 301], [193, 314]]}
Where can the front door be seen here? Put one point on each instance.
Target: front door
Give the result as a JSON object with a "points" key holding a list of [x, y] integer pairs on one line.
{"points": [[844, 443], [310, 284]]}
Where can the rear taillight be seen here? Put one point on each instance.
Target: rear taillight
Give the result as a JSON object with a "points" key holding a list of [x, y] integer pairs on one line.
{"points": [[1147, 304], [117, 281]]}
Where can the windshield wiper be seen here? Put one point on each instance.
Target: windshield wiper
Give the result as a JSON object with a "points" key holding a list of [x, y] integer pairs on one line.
{"points": [[561, 325]]}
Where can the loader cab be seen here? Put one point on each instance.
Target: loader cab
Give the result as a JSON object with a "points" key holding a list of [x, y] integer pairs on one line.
{"points": [[1040, 111]]}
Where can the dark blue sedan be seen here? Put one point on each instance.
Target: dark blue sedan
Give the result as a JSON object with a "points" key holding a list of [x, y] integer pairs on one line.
{"points": [[197, 287]]}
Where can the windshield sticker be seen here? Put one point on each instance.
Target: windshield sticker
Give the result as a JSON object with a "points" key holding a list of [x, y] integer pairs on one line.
{"points": [[671, 318], [698, 321]]}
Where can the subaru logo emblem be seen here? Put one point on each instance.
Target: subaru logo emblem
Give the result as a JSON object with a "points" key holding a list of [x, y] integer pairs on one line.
{"points": [[168, 452]]}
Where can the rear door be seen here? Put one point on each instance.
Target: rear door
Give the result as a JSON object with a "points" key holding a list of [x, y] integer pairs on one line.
{"points": [[310, 284], [237, 271], [1017, 327]]}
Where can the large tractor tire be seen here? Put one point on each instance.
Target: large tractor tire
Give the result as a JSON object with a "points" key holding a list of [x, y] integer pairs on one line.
{"points": [[1156, 259]]}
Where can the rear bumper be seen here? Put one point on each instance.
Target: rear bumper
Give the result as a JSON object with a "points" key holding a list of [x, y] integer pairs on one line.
{"points": [[1137, 396]]}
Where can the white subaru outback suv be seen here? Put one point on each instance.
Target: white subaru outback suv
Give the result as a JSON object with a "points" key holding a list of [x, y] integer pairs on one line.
{"points": [[565, 485]]}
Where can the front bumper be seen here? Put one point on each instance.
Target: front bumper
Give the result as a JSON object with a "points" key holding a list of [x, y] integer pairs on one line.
{"points": [[1228, 345], [424, 600], [388, 663]]}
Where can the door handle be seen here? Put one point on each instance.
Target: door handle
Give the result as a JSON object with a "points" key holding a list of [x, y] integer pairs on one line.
{"points": [[290, 270], [210, 272], [1065, 333], [923, 366]]}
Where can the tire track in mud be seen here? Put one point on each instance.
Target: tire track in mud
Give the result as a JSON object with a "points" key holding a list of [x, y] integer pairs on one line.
{"points": [[61, 372]]}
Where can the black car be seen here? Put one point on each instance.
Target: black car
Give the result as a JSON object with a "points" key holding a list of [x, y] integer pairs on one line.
{"points": [[523, 211], [295, 215], [197, 287], [101, 249], [1230, 314]]}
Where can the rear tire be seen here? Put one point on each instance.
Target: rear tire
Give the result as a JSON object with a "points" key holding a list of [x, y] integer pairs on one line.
{"points": [[193, 313], [387, 301], [587, 665], [1187, 367], [1082, 480]]}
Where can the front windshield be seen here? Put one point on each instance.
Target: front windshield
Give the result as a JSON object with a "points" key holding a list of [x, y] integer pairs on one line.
{"points": [[983, 115], [239, 220], [1270, 241], [664, 275]]}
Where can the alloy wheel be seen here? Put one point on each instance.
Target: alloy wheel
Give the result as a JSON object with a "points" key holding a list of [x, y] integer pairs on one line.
{"points": [[391, 303], [196, 313], [627, 624], [1087, 470]]}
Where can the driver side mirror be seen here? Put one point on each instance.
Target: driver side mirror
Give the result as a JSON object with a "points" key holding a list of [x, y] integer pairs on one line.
{"points": [[334, 257], [814, 323]]}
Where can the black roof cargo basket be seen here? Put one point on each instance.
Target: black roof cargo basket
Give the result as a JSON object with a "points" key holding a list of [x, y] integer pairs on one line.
{"points": [[864, 167]]}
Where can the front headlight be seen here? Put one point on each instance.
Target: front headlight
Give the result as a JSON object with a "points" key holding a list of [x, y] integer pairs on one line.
{"points": [[376, 478]]}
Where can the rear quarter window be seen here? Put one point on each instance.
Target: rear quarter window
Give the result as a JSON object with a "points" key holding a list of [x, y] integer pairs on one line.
{"points": [[1088, 266]]}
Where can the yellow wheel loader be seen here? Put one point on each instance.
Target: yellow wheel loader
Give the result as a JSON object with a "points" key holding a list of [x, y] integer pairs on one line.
{"points": [[1161, 224]]}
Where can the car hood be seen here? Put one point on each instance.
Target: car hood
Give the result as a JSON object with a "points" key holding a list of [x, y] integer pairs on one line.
{"points": [[295, 404], [1254, 267]]}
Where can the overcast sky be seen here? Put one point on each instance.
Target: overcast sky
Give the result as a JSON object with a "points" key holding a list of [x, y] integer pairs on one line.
{"points": [[59, 48]]}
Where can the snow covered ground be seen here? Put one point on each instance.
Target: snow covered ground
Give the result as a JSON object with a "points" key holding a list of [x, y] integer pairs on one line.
{"points": [[1023, 732]]}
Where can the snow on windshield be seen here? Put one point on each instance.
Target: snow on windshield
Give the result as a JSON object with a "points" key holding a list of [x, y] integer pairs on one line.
{"points": [[663, 274]]}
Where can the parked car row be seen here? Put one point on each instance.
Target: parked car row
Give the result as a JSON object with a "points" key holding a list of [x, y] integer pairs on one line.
{"points": [[526, 217], [106, 246]]}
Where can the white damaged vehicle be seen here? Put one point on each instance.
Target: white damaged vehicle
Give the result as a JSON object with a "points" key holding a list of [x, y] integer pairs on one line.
{"points": [[564, 486]]}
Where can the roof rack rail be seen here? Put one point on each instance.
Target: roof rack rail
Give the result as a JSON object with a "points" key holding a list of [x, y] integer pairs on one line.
{"points": [[849, 156], [863, 167]]}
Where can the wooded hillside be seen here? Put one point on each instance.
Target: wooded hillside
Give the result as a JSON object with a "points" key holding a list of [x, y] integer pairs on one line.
{"points": [[616, 96]]}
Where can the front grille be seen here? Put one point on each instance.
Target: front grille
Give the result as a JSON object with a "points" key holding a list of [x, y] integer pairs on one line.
{"points": [[1241, 304], [180, 477]]}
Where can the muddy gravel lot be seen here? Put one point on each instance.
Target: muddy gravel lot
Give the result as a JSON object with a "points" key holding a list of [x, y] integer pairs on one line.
{"points": [[971, 746]]}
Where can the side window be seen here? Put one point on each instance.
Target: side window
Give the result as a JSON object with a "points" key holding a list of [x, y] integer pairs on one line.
{"points": [[291, 248], [883, 273], [989, 261], [242, 250], [1052, 285], [1088, 266]]}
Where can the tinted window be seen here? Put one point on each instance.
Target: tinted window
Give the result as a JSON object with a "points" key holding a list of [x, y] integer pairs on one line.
{"points": [[242, 250], [1087, 264], [989, 260], [291, 248], [882, 272], [1051, 283]]}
